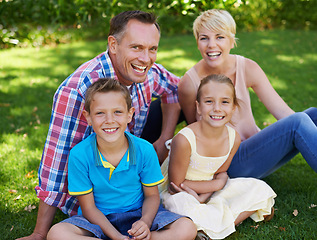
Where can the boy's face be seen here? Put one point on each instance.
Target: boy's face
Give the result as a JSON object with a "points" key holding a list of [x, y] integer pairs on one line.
{"points": [[109, 116]]}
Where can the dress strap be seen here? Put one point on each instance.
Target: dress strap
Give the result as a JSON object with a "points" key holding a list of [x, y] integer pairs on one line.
{"points": [[232, 136], [190, 136]]}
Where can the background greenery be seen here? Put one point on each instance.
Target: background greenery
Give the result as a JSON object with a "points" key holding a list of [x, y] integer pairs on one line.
{"points": [[38, 22], [280, 35]]}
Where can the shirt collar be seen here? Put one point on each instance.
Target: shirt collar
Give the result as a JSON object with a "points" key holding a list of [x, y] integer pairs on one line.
{"points": [[101, 161]]}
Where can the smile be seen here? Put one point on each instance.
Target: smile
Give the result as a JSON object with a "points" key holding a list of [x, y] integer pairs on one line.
{"points": [[139, 69], [110, 130], [217, 117], [214, 54]]}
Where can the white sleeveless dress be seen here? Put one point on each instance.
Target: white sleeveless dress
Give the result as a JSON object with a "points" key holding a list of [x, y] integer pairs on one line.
{"points": [[216, 217]]}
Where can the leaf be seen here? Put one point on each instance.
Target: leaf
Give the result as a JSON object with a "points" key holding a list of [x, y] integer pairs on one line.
{"points": [[256, 226], [29, 208], [295, 212], [282, 229], [17, 198], [30, 174], [5, 104]]}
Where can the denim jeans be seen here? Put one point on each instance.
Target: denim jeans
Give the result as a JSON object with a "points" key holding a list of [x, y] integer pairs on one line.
{"points": [[275, 145]]}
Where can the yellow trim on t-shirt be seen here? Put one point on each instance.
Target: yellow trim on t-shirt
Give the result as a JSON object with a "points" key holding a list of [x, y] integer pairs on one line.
{"points": [[80, 193], [153, 184], [107, 164]]}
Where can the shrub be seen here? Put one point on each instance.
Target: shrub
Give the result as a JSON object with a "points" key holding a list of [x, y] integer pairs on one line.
{"points": [[38, 22]]}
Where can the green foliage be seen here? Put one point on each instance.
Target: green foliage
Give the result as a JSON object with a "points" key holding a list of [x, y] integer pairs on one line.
{"points": [[41, 22]]}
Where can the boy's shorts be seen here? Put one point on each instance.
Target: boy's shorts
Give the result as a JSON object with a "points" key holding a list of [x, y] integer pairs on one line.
{"points": [[123, 221]]}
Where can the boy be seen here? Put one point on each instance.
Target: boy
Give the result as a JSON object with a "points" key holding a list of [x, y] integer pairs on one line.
{"points": [[115, 176]]}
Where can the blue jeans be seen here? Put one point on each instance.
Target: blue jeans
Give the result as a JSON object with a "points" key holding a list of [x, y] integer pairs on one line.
{"points": [[275, 145]]}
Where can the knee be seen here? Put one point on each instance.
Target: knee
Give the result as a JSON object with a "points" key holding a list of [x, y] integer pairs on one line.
{"points": [[56, 232], [187, 229], [312, 113], [300, 118]]}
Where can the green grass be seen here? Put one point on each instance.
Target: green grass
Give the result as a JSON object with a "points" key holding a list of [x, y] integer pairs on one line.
{"points": [[30, 76]]}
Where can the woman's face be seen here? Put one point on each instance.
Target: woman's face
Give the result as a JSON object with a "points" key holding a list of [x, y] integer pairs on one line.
{"points": [[214, 47]]}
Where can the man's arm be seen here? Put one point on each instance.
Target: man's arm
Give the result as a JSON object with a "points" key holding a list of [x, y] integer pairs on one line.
{"points": [[170, 113], [166, 85]]}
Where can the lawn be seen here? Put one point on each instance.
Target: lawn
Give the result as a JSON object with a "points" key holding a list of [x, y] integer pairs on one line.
{"points": [[30, 76]]}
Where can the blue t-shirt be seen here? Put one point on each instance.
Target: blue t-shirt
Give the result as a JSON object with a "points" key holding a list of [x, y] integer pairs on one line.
{"points": [[115, 189]]}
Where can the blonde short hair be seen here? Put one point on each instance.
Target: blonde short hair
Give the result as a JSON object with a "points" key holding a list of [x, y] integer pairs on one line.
{"points": [[217, 21]]}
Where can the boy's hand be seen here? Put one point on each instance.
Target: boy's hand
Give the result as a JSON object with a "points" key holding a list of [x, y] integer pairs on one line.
{"points": [[140, 230]]}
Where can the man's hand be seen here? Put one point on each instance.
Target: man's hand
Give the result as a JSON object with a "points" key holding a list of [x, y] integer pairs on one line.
{"points": [[33, 236], [161, 150], [140, 230]]}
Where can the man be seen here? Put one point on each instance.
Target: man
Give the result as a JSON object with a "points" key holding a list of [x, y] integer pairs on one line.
{"points": [[130, 58]]}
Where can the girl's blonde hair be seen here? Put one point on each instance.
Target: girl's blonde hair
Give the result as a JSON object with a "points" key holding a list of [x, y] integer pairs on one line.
{"points": [[216, 20]]}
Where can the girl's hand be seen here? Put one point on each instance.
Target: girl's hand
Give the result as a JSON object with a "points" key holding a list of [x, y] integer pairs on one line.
{"points": [[140, 230], [202, 198]]}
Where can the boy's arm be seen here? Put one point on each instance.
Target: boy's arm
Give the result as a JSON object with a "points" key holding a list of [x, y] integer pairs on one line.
{"points": [[95, 216], [141, 229]]}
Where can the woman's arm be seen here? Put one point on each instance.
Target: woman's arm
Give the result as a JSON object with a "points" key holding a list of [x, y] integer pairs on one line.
{"points": [[257, 80], [187, 97], [95, 216]]}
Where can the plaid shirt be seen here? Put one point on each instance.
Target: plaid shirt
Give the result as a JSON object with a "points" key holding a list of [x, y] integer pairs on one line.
{"points": [[68, 126]]}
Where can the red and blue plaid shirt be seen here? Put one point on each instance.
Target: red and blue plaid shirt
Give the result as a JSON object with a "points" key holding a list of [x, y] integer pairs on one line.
{"points": [[68, 126]]}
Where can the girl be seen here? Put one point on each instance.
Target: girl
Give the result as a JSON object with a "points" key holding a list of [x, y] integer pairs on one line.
{"points": [[261, 152], [200, 156]]}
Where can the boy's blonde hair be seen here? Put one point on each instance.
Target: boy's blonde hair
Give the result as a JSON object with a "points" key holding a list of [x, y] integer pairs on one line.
{"points": [[216, 20]]}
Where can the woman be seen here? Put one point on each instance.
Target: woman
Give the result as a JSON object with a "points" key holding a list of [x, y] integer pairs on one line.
{"points": [[261, 151]]}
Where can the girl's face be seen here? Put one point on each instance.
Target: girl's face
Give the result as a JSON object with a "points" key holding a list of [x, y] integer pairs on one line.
{"points": [[216, 105], [214, 47], [109, 116]]}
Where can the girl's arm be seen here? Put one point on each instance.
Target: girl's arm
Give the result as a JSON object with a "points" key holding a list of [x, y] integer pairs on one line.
{"points": [[257, 80], [187, 98], [179, 161], [95, 216], [141, 228], [178, 165]]}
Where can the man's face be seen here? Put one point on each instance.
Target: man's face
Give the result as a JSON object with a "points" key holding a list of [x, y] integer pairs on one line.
{"points": [[135, 54]]}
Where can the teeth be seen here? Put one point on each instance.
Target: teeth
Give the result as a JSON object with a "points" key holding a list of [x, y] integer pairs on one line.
{"points": [[138, 68], [110, 130], [213, 54], [216, 117]]}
